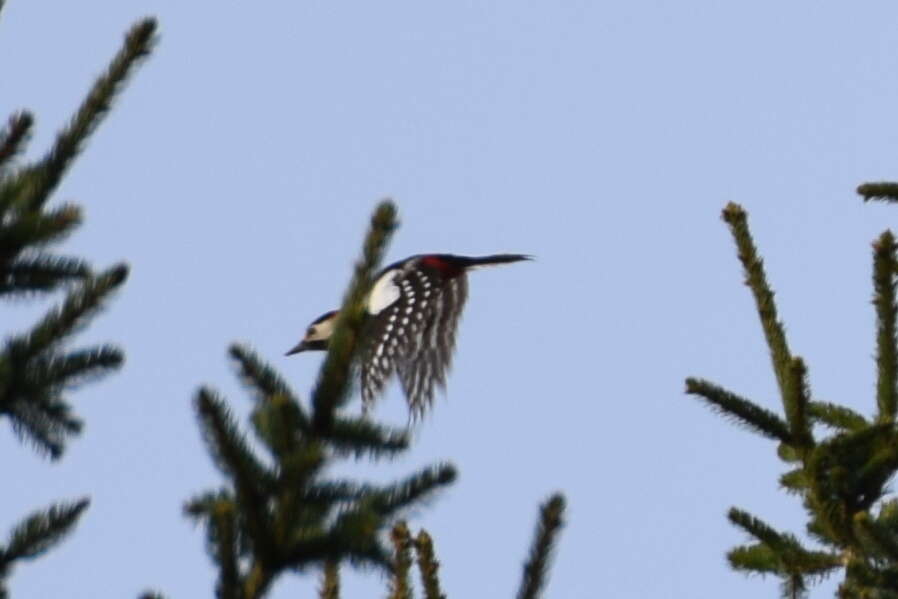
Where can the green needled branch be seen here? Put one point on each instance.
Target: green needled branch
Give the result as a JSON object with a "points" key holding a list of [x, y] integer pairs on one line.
{"points": [[881, 539], [756, 279], [884, 265], [35, 229], [333, 384], [778, 553], [13, 137], [742, 410], [883, 191], [224, 516], [80, 304], [428, 566], [40, 273], [42, 178], [400, 585], [34, 372], [796, 400], [233, 456], [42, 530], [836, 416], [330, 581], [536, 568]]}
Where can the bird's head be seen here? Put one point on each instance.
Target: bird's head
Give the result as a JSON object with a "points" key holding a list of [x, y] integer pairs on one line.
{"points": [[318, 334]]}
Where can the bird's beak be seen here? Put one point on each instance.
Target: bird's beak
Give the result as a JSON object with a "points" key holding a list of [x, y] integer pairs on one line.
{"points": [[301, 346]]}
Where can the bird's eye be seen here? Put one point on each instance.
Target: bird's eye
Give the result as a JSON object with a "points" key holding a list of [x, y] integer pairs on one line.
{"points": [[311, 331]]}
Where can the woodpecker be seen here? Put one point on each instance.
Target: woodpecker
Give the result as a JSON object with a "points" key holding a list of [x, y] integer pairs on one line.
{"points": [[412, 314]]}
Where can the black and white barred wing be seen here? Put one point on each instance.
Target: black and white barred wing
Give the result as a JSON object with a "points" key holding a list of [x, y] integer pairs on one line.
{"points": [[400, 306], [426, 369]]}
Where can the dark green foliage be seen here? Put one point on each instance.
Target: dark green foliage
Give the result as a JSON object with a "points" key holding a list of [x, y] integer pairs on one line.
{"points": [[428, 566], [34, 184], [882, 191], [37, 534], [36, 367], [279, 513], [13, 137], [837, 417], [537, 566], [742, 410], [34, 370], [884, 300], [400, 584], [332, 389], [756, 279], [841, 478], [330, 581]]}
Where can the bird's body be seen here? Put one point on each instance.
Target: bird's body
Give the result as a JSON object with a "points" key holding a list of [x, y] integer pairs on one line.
{"points": [[412, 313]]}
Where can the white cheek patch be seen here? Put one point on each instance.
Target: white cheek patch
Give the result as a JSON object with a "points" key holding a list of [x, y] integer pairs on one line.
{"points": [[321, 331], [384, 293]]}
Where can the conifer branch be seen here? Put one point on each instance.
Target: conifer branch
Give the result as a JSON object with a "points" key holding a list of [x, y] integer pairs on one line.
{"points": [[760, 557], [40, 180], [330, 581], [756, 279], [361, 437], [400, 585], [884, 265], [330, 492], [236, 461], [354, 536], [62, 322], [260, 378], [784, 554], [883, 191], [40, 273], [757, 557], [151, 595], [278, 420], [58, 371], [45, 421], [232, 454], [333, 382], [224, 525], [742, 410], [40, 532], [872, 477], [428, 566], [536, 568], [33, 374], [836, 416], [888, 514], [796, 399], [257, 581], [205, 504], [400, 495], [882, 540], [795, 481], [279, 423], [779, 543], [36, 229], [794, 587], [12, 139]]}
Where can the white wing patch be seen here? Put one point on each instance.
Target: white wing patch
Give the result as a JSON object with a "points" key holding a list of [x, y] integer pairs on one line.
{"points": [[384, 293]]}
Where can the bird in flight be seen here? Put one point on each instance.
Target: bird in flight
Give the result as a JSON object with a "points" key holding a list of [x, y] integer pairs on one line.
{"points": [[412, 314]]}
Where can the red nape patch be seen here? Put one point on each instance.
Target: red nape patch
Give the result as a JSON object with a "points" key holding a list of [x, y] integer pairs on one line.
{"points": [[446, 268]]}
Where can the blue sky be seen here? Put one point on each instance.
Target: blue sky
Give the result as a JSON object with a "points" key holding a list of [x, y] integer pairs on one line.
{"points": [[238, 171]]}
